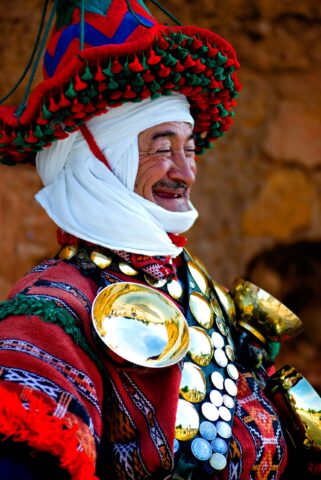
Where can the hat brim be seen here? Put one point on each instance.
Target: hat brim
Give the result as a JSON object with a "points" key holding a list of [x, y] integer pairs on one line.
{"points": [[188, 60]]}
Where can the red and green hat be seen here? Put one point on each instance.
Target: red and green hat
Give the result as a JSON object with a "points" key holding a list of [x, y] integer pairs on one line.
{"points": [[103, 53]]}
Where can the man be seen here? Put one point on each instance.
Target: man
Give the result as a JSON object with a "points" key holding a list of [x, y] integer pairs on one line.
{"points": [[127, 103]]}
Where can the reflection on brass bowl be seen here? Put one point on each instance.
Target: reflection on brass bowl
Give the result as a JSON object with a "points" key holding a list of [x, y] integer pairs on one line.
{"points": [[299, 407], [140, 325], [263, 315]]}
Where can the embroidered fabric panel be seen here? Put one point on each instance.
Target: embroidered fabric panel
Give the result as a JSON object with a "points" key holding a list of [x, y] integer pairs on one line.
{"points": [[259, 450], [79, 379]]}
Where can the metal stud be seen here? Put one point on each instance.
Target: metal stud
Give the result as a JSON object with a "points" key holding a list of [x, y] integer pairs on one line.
{"points": [[208, 430], [101, 260], [187, 421], [230, 387], [201, 310], [201, 449], [175, 289], [193, 383], [67, 252], [217, 380], [155, 282], [200, 346], [199, 277], [220, 357], [218, 340], [209, 411], [127, 269], [216, 398], [232, 371], [218, 461]]}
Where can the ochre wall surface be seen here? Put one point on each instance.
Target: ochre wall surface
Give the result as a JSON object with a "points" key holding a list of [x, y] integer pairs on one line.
{"points": [[257, 190]]}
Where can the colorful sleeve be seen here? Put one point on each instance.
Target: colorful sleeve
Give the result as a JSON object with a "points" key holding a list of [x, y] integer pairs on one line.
{"points": [[50, 386]]}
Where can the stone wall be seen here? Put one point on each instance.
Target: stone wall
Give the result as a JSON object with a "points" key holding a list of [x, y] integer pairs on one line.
{"points": [[259, 188]]}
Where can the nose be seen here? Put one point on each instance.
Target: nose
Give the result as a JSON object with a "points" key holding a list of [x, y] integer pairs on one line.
{"points": [[183, 169]]}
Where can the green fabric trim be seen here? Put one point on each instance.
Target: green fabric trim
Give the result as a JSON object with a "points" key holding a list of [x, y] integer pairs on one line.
{"points": [[273, 349], [49, 312]]}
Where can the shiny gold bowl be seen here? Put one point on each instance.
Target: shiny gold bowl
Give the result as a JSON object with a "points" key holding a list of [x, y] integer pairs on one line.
{"points": [[263, 315], [140, 325]]}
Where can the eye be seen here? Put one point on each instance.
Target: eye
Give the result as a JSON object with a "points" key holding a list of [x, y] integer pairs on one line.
{"points": [[163, 151]]}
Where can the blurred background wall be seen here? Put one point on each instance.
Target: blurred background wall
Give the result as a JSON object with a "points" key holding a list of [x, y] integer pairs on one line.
{"points": [[258, 190]]}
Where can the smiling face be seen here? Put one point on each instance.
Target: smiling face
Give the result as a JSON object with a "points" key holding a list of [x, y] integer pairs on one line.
{"points": [[167, 165]]}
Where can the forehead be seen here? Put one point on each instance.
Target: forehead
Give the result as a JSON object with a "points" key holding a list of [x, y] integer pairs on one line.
{"points": [[168, 129]]}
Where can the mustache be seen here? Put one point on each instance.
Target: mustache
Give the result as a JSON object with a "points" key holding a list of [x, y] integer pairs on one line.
{"points": [[175, 185]]}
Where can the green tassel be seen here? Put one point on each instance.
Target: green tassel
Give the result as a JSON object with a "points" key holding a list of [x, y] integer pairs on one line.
{"points": [[38, 132], [47, 131], [19, 140], [138, 81], [154, 87], [47, 115], [70, 92], [107, 71], [221, 59], [87, 75], [91, 91], [182, 53], [41, 143], [169, 60], [112, 85]]}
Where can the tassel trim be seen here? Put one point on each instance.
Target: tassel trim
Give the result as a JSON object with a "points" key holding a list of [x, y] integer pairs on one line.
{"points": [[42, 432]]}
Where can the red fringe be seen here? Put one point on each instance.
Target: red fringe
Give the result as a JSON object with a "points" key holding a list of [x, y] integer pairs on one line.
{"points": [[44, 433]]}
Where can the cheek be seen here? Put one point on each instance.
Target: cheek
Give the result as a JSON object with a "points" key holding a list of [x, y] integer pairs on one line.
{"points": [[151, 170]]}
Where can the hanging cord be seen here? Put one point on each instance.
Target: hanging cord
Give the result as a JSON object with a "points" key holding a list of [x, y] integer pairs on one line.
{"points": [[32, 56], [22, 105], [163, 9], [139, 20], [82, 24]]}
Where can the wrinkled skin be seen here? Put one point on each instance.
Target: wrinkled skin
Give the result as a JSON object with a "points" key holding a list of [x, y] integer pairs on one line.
{"points": [[167, 167]]}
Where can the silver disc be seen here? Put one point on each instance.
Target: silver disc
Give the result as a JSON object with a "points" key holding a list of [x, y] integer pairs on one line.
{"points": [[217, 380], [216, 398], [209, 411], [225, 414], [218, 461], [207, 430], [218, 340], [219, 445], [228, 401], [220, 357], [230, 387], [232, 371], [223, 429], [201, 449]]}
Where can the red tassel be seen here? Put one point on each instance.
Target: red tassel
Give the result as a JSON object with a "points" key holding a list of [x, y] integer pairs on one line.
{"points": [[199, 66], [178, 67], [129, 92], [197, 43], [102, 86], [31, 138], [148, 77], [153, 58], [189, 62], [212, 51], [64, 102], [69, 122], [89, 108], [76, 106], [178, 240], [136, 66], [116, 67], [42, 121], [53, 107], [79, 84], [163, 71], [60, 133], [101, 104], [99, 76], [169, 85], [162, 43], [116, 95], [145, 93]]}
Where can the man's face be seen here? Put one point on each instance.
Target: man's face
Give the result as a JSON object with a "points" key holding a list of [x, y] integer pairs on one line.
{"points": [[167, 165]]}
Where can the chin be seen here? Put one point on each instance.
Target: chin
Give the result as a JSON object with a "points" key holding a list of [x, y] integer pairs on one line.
{"points": [[180, 205]]}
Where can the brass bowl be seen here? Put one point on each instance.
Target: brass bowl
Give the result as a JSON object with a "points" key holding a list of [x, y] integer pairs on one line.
{"points": [[263, 315], [140, 325]]}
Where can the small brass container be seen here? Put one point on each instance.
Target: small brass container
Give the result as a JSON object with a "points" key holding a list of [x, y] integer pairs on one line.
{"points": [[140, 325], [263, 315]]}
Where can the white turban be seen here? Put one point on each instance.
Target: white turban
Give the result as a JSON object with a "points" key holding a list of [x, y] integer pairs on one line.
{"points": [[86, 199]]}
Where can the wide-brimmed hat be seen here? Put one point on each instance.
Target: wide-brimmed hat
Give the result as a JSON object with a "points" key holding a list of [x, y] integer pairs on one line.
{"points": [[103, 53]]}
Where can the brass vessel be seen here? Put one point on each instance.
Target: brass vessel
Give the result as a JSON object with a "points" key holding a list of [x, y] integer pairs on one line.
{"points": [[263, 315], [140, 325]]}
